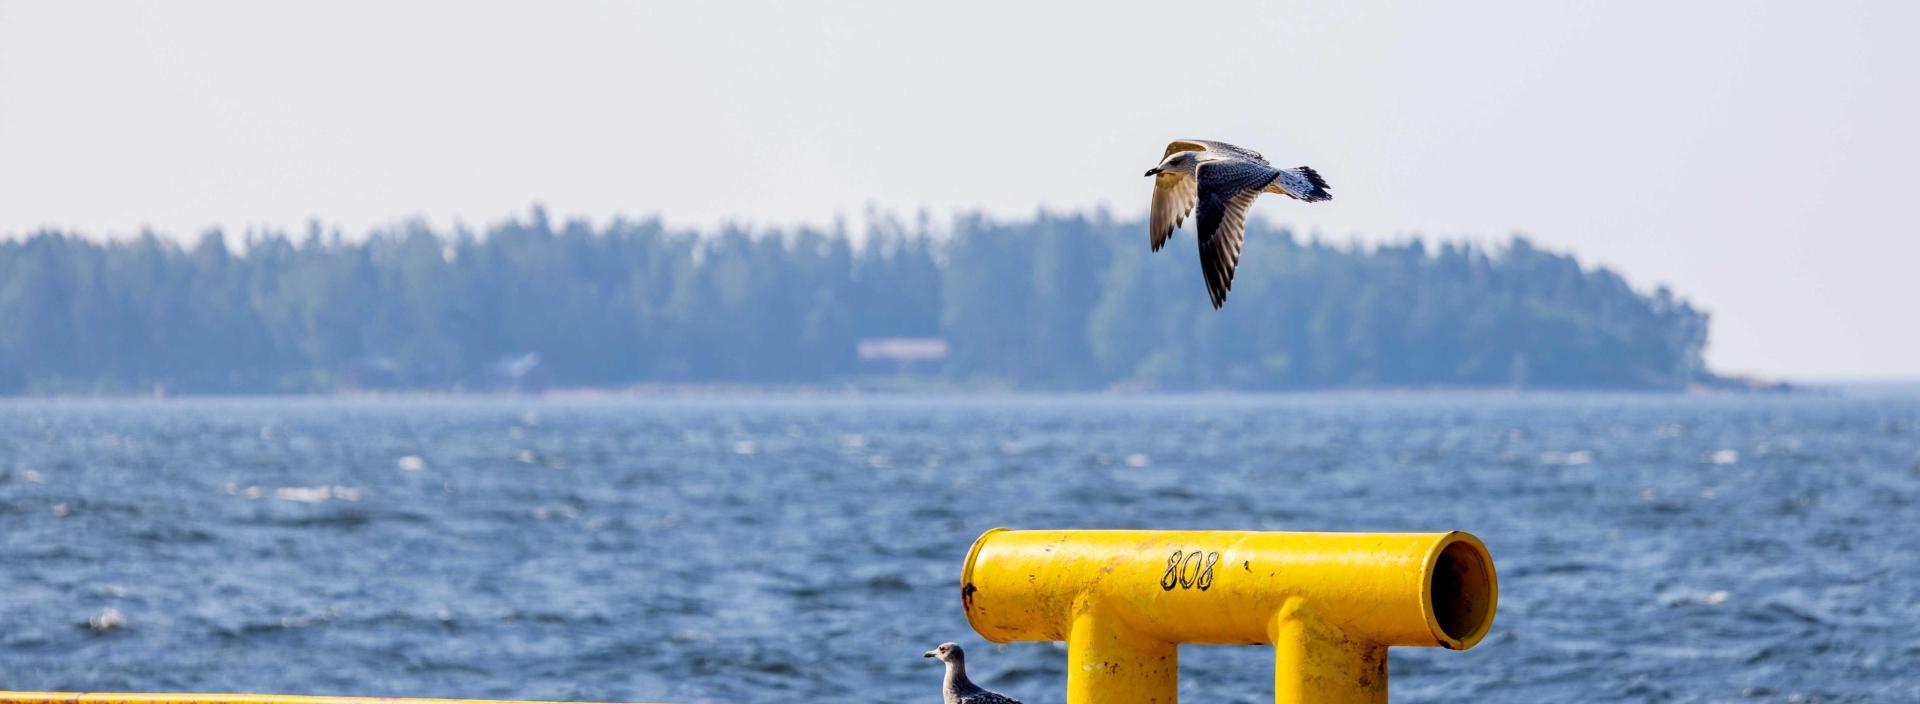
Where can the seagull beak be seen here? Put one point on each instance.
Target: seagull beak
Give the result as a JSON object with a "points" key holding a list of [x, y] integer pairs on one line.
{"points": [[927, 654], [1153, 171]]}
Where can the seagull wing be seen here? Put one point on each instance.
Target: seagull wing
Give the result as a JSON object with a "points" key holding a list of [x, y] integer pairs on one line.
{"points": [[1173, 197], [1204, 145], [1227, 189], [986, 697]]}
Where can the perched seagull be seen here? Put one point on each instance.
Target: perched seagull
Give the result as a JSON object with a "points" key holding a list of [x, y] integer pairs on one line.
{"points": [[957, 689], [1223, 180]]}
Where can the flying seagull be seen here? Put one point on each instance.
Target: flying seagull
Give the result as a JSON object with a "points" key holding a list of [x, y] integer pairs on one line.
{"points": [[957, 689], [1222, 180]]}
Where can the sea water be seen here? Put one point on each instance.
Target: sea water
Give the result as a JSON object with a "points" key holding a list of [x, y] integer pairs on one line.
{"points": [[774, 548]]}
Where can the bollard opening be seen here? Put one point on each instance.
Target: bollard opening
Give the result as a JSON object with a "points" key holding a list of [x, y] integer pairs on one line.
{"points": [[1462, 592]]}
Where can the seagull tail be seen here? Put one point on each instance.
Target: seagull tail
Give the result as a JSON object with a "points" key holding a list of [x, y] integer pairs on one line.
{"points": [[1302, 182]]}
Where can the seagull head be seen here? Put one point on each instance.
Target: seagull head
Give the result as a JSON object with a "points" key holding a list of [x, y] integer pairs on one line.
{"points": [[946, 652], [1177, 163]]}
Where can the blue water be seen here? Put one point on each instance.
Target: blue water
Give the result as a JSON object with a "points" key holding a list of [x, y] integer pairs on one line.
{"points": [[763, 549]]}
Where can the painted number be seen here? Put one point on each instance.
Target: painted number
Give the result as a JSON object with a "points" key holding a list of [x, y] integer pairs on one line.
{"points": [[1189, 570]]}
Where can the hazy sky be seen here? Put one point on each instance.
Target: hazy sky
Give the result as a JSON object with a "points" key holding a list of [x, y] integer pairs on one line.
{"points": [[1758, 158]]}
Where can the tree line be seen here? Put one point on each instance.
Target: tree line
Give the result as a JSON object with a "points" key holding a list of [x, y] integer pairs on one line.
{"points": [[1056, 301]]}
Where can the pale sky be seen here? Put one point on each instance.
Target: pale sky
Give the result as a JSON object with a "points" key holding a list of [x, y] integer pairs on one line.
{"points": [[1757, 157]]}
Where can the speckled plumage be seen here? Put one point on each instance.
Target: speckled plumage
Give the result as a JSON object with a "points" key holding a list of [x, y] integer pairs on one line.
{"points": [[1220, 182], [956, 688]]}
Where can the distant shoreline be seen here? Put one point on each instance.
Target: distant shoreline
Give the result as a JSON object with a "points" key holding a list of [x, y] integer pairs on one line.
{"points": [[1858, 389]]}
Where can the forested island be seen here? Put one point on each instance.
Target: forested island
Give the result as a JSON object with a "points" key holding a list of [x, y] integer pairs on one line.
{"points": [[1051, 302]]}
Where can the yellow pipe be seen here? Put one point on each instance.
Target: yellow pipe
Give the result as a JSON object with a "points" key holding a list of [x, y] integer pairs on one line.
{"points": [[1329, 603], [165, 698]]}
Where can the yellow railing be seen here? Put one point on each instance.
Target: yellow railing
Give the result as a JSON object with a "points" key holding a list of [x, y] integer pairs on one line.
{"points": [[161, 698], [1329, 603]]}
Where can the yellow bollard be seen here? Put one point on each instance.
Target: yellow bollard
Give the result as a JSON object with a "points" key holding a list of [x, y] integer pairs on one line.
{"points": [[1329, 603]]}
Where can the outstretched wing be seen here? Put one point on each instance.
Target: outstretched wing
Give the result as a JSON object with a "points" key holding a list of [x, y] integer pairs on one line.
{"points": [[1204, 145], [1227, 189], [1173, 197]]}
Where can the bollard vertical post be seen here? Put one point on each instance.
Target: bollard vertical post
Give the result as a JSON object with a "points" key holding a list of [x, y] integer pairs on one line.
{"points": [[1316, 663], [1108, 663]]}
